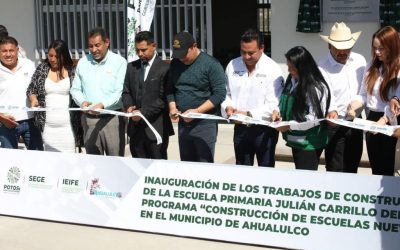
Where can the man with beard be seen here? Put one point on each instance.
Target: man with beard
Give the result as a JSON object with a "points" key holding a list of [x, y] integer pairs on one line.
{"points": [[144, 92], [343, 70]]}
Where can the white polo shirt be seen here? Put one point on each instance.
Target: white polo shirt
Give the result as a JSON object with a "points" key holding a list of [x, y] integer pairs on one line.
{"points": [[13, 87], [259, 92], [344, 80]]}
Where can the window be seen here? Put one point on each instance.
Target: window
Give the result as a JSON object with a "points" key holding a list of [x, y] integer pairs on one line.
{"points": [[71, 20], [173, 16], [264, 22]]}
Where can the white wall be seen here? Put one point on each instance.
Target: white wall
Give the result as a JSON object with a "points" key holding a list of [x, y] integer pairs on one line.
{"points": [[284, 35], [19, 18]]}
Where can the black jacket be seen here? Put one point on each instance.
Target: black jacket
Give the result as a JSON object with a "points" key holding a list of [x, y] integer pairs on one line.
{"points": [[152, 103]]}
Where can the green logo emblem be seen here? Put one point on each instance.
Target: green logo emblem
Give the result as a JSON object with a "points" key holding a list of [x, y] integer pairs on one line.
{"points": [[13, 175]]}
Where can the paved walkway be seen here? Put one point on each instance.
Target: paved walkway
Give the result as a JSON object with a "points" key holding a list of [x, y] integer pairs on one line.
{"points": [[224, 152]]}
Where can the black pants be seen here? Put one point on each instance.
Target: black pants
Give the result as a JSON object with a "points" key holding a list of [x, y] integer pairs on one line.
{"points": [[259, 141], [381, 149], [142, 147], [197, 141], [344, 150], [306, 159]]}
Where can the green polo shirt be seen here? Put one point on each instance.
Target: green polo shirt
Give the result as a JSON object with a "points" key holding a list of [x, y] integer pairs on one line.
{"points": [[191, 85]]}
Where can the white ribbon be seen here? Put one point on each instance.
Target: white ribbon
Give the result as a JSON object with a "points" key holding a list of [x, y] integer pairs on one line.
{"points": [[202, 116], [362, 124], [137, 113], [248, 120], [366, 125], [5, 109]]}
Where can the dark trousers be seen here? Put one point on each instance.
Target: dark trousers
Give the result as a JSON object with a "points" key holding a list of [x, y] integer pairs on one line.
{"points": [[306, 159], [29, 132], [142, 147], [257, 140], [381, 149], [197, 141], [344, 150]]}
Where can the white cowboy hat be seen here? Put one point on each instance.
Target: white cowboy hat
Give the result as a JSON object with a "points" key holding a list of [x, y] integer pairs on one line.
{"points": [[341, 36]]}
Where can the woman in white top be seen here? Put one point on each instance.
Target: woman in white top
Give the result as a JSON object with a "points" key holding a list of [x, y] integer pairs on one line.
{"points": [[49, 88], [379, 85]]}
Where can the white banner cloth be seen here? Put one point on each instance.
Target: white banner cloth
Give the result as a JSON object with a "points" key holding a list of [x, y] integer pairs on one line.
{"points": [[254, 205]]}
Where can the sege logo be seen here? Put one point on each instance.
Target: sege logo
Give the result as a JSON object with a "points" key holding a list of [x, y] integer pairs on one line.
{"points": [[33, 178]]}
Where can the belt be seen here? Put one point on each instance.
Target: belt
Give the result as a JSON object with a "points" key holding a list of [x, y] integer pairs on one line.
{"points": [[248, 125], [376, 111]]}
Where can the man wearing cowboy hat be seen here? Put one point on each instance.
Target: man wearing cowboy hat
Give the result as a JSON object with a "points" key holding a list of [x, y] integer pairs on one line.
{"points": [[343, 70]]}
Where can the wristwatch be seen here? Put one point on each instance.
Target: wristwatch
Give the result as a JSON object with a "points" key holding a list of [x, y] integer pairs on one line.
{"points": [[248, 114]]}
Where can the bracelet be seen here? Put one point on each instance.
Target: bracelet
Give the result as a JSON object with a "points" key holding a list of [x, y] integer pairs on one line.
{"points": [[396, 98]]}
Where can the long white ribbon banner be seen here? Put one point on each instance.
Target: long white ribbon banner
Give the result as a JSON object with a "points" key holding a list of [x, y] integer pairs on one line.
{"points": [[101, 111], [357, 123]]}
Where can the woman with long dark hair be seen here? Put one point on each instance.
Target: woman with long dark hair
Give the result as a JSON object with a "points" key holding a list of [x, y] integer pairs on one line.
{"points": [[379, 86], [305, 97], [49, 88]]}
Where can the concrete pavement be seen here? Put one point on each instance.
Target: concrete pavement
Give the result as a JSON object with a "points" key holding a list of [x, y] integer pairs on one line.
{"points": [[224, 152]]}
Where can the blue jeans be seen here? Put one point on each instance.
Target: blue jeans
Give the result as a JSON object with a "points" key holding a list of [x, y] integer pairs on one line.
{"points": [[197, 141], [253, 141], [29, 132]]}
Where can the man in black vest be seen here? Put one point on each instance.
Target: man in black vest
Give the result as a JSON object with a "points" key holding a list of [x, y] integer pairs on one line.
{"points": [[144, 92]]}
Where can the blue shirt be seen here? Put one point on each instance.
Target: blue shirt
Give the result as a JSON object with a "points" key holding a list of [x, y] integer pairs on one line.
{"points": [[100, 82]]}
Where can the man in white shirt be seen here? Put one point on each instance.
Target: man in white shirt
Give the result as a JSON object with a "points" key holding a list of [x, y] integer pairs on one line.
{"points": [[15, 76], [343, 70], [254, 86]]}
